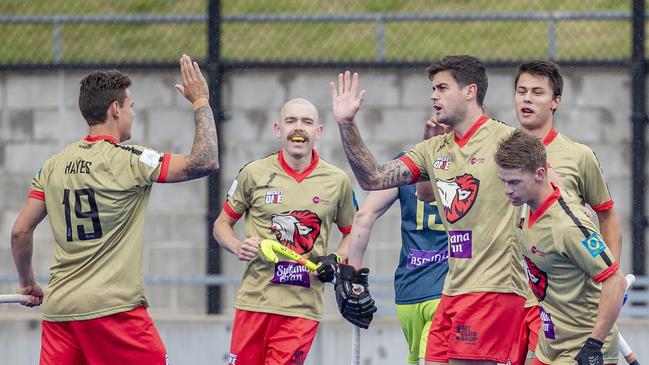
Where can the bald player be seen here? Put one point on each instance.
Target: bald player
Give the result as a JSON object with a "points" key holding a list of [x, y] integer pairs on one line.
{"points": [[294, 197], [571, 271], [96, 193]]}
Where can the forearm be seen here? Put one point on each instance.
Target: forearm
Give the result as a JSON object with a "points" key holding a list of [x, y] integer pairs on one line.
{"points": [[611, 232], [609, 305], [22, 249], [369, 174], [362, 162], [224, 235], [204, 157], [343, 248], [359, 239]]}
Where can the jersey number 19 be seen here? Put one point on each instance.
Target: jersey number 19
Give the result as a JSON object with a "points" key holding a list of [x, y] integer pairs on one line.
{"points": [[92, 214]]}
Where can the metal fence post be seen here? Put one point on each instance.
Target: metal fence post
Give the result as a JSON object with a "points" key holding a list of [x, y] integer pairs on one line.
{"points": [[58, 42], [380, 38], [552, 37], [639, 122], [214, 69]]}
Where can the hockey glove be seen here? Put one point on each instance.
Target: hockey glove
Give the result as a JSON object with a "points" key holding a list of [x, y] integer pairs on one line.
{"points": [[590, 353], [352, 294], [327, 268]]}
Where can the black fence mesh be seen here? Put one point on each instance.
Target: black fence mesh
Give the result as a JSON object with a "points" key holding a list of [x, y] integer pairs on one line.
{"points": [[158, 31]]}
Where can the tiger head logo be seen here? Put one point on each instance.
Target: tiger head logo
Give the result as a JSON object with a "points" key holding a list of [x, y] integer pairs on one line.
{"points": [[458, 195], [538, 278], [296, 230]]}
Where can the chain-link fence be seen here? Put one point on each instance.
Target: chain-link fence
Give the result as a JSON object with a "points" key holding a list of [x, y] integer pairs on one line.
{"points": [[75, 32]]}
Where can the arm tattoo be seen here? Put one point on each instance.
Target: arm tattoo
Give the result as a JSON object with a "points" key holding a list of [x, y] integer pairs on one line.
{"points": [[371, 175], [395, 173], [204, 158]]}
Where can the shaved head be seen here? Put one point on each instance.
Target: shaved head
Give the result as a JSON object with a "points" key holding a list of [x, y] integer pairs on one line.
{"points": [[301, 102]]}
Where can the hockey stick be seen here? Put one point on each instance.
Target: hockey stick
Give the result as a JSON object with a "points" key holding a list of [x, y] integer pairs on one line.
{"points": [[14, 298], [269, 248], [625, 350]]}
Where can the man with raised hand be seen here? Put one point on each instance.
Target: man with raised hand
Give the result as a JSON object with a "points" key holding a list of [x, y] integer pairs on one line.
{"points": [[423, 259], [571, 271], [538, 91], [96, 193], [484, 292], [294, 197]]}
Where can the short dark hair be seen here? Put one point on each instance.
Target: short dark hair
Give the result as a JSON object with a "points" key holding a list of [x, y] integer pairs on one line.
{"points": [[98, 91], [521, 151], [542, 68], [466, 70]]}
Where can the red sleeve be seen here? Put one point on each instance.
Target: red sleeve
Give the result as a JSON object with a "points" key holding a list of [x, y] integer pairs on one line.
{"points": [[606, 273], [604, 206], [412, 167], [229, 211], [38, 195], [164, 169], [345, 230]]}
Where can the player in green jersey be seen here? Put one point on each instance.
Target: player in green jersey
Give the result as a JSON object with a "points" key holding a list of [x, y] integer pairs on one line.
{"points": [[96, 193]]}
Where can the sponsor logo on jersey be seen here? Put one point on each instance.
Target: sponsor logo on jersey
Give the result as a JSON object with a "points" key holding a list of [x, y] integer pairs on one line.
{"points": [[442, 163], [417, 258], [297, 229], [458, 195], [465, 334], [274, 197], [318, 200], [476, 160], [538, 278], [594, 244], [546, 324], [232, 359], [535, 250], [291, 273], [445, 143], [460, 244]]}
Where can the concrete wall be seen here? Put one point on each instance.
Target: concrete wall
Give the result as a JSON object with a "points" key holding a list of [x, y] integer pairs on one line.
{"points": [[39, 116]]}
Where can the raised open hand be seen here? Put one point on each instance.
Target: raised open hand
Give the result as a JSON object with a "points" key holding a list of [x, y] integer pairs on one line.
{"points": [[193, 86], [345, 102]]}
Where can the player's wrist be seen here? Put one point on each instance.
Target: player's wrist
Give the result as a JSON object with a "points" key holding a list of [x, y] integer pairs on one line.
{"points": [[200, 102], [593, 343]]}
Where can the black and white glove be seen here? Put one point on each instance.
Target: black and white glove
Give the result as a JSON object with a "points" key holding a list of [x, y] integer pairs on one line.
{"points": [[353, 296], [326, 271], [590, 353]]}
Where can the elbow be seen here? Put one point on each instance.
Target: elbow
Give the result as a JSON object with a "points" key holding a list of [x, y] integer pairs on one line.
{"points": [[19, 234], [363, 219], [213, 167]]}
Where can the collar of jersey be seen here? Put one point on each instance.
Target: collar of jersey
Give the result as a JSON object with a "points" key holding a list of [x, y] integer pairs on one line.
{"points": [[550, 137], [462, 140], [101, 138], [535, 215], [292, 173]]}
